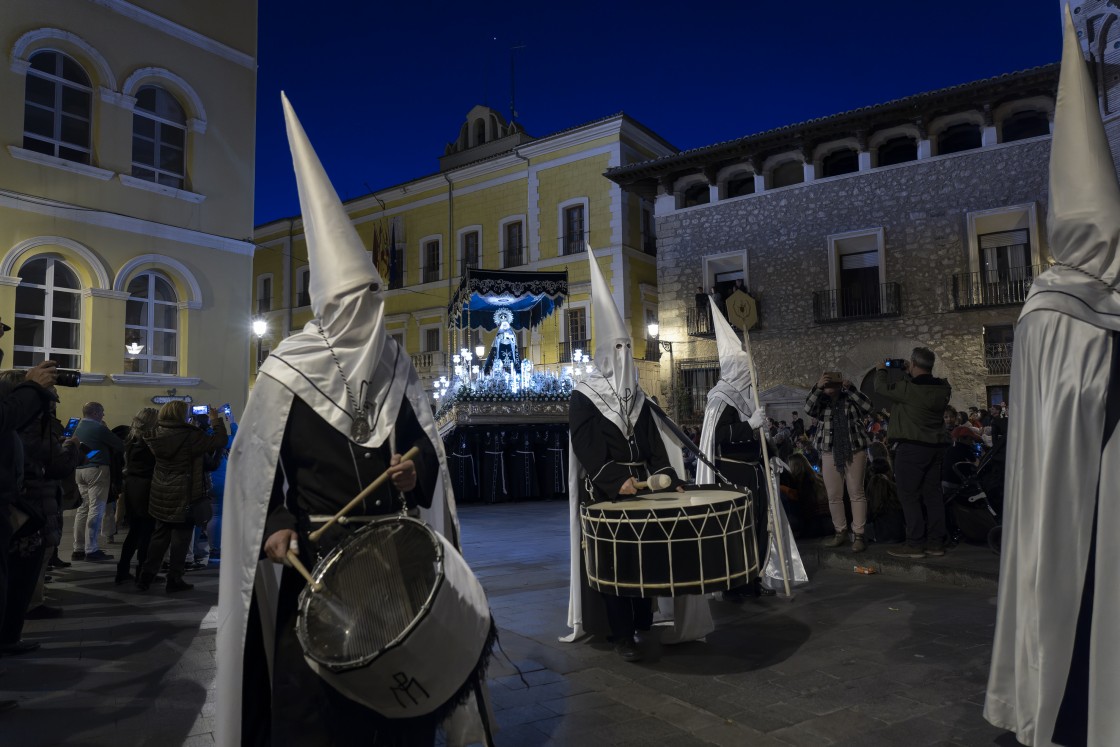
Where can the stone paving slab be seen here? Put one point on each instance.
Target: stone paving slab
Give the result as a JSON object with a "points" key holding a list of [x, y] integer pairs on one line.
{"points": [[850, 660]]}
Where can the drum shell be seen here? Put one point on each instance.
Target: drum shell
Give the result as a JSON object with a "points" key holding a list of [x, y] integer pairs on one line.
{"points": [[431, 661], [713, 547]]}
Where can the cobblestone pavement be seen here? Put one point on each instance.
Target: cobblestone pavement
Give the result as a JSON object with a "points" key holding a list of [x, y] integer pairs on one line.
{"points": [[851, 660]]}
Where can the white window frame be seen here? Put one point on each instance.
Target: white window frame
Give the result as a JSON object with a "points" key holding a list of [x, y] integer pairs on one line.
{"points": [[645, 209], [60, 82], [586, 306], [724, 262], [160, 124], [424, 329], [301, 273], [261, 280], [683, 184], [502, 239], [149, 327], [460, 237], [47, 317], [1009, 218], [854, 242], [561, 226], [438, 238]]}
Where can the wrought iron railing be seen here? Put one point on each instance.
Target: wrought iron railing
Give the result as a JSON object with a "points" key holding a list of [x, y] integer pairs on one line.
{"points": [[653, 350], [567, 348], [512, 257], [264, 305], [847, 304], [997, 357], [574, 243], [699, 322], [970, 290], [303, 298], [431, 274]]}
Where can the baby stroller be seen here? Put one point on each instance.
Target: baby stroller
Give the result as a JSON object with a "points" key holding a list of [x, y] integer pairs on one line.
{"points": [[975, 506]]}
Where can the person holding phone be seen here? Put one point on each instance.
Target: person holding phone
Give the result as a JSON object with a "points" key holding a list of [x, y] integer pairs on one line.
{"points": [[842, 443]]}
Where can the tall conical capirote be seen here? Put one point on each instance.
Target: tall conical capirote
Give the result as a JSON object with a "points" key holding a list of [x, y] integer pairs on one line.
{"points": [[1084, 212], [339, 263], [613, 354], [734, 363]]}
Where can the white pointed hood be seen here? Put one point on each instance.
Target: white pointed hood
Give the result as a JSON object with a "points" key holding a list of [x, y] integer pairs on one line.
{"points": [[613, 385], [734, 363], [1083, 220], [341, 362]]}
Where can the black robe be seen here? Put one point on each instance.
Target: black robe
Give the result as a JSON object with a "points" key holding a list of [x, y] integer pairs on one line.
{"points": [[495, 488], [324, 471], [523, 472], [463, 467], [552, 468]]}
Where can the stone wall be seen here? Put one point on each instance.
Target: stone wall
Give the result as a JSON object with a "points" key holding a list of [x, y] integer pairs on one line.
{"points": [[922, 208]]}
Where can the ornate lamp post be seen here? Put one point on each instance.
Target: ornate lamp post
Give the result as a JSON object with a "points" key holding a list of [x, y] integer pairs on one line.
{"points": [[260, 328], [653, 328]]}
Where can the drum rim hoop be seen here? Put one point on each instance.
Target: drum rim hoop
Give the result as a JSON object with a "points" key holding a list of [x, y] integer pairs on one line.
{"points": [[323, 565]]}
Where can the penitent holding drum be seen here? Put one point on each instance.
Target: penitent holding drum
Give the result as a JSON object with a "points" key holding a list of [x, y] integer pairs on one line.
{"points": [[617, 445]]}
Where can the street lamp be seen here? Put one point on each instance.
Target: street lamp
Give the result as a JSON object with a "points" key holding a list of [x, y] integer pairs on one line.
{"points": [[260, 327]]}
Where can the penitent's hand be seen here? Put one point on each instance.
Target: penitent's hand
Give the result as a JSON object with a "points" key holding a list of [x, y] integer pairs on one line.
{"points": [[278, 543], [628, 487], [403, 474]]}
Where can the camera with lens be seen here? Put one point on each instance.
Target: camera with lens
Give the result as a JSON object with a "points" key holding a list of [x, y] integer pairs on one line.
{"points": [[895, 363], [67, 377]]}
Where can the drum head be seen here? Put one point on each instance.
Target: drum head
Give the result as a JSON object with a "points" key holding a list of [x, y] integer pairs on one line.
{"points": [[375, 586]]}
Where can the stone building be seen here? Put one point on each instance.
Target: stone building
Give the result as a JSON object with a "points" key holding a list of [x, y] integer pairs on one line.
{"points": [[861, 235], [126, 196]]}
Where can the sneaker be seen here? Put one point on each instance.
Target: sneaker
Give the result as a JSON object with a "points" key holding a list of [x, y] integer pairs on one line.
{"points": [[43, 612], [98, 556], [78, 555], [840, 538], [936, 550], [57, 562], [858, 544], [906, 551]]}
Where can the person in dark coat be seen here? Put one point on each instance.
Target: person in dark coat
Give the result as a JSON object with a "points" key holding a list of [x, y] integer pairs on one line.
{"points": [[139, 464], [177, 483]]}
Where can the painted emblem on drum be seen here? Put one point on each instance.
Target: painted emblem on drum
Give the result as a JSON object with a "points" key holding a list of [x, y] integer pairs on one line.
{"points": [[405, 688]]}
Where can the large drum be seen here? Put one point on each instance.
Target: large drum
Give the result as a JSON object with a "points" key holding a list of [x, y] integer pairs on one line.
{"points": [[399, 624], [670, 544]]}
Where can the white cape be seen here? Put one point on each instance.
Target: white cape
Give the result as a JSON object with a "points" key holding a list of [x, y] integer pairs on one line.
{"points": [[253, 462], [1058, 473], [722, 395], [691, 616]]}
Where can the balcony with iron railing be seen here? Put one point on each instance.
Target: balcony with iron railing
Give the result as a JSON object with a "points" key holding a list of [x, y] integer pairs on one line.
{"points": [[430, 274], [567, 348], [429, 362], [699, 323], [972, 290], [997, 357], [852, 304], [264, 305], [303, 298], [513, 256], [574, 243], [653, 349]]}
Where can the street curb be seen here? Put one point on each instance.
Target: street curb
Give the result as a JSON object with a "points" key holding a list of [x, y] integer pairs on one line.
{"points": [[928, 571]]}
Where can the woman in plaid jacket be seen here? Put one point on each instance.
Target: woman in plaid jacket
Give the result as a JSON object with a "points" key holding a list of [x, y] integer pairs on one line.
{"points": [[842, 443]]}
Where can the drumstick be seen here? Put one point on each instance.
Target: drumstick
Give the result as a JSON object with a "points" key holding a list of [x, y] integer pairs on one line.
{"points": [[655, 482], [294, 561], [408, 457]]}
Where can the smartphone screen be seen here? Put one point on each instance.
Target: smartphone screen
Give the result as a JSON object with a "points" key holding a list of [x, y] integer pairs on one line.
{"points": [[201, 409], [70, 426], [93, 453]]}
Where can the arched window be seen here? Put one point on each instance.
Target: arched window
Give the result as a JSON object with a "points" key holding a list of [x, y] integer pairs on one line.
{"points": [[964, 136], [901, 149], [48, 314], [843, 161], [696, 194], [740, 184], [57, 107], [151, 326], [1022, 125], [790, 172], [479, 131], [159, 136]]}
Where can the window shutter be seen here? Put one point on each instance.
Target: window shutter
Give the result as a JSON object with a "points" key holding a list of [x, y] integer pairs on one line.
{"points": [[859, 261], [1005, 238]]}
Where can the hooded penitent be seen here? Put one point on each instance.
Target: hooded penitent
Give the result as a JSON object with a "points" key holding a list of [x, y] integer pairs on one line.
{"points": [[344, 366], [1055, 673], [613, 388], [732, 390], [613, 384]]}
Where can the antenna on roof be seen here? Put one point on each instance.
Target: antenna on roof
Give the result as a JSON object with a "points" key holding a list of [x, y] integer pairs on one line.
{"points": [[513, 82]]}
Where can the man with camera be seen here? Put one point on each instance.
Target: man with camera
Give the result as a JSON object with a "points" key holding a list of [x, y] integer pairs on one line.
{"points": [[917, 431], [93, 478]]}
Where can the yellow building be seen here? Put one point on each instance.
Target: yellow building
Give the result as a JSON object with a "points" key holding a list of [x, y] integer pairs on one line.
{"points": [[126, 207], [501, 199]]}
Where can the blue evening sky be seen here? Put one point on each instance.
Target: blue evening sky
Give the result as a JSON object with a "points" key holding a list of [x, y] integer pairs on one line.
{"points": [[382, 87]]}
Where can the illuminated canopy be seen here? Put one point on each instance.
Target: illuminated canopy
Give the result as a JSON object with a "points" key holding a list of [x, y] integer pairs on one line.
{"points": [[531, 296]]}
